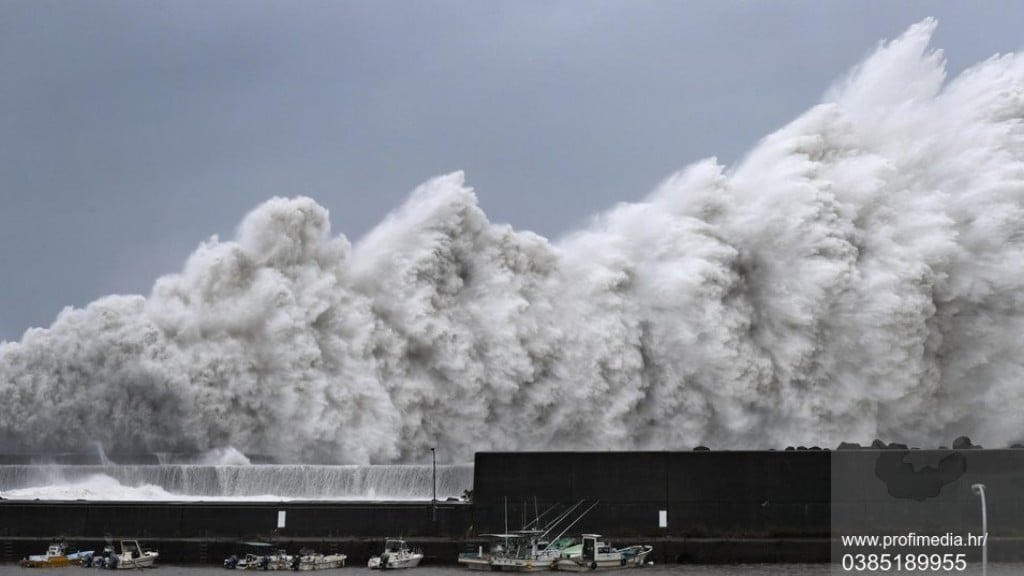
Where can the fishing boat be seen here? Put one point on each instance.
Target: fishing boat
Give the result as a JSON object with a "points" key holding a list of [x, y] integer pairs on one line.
{"points": [[307, 559], [57, 554], [397, 554], [593, 554], [520, 551], [259, 556], [98, 560], [526, 550], [480, 559], [276, 560], [511, 552], [131, 556]]}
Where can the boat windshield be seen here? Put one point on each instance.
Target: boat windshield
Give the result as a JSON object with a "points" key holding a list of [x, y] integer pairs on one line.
{"points": [[562, 543]]}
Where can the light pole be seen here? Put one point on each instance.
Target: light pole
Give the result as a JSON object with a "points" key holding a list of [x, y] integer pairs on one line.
{"points": [[979, 489], [433, 499]]}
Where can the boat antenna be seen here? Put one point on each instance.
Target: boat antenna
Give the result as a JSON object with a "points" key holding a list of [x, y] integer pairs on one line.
{"points": [[573, 523]]}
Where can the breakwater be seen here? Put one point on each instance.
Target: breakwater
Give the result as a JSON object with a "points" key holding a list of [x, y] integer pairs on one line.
{"points": [[231, 482]]}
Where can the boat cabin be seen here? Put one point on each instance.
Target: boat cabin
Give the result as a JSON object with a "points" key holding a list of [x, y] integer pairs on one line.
{"points": [[594, 549], [394, 546]]}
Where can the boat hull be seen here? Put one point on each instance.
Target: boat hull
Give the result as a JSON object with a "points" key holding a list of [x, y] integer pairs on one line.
{"points": [[145, 561], [321, 562], [393, 562], [487, 567], [602, 564], [475, 563], [47, 563], [520, 565], [278, 561]]}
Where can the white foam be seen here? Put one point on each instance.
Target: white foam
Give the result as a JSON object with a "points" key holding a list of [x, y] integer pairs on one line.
{"points": [[234, 482], [95, 487]]}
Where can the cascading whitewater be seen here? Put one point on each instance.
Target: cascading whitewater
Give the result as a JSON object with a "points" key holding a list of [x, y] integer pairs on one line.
{"points": [[856, 276], [226, 482]]}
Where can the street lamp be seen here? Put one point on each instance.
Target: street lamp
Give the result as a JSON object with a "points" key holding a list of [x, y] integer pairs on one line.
{"points": [[979, 489], [433, 499]]}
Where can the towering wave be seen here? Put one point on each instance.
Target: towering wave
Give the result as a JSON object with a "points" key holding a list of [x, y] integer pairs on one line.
{"points": [[860, 274]]}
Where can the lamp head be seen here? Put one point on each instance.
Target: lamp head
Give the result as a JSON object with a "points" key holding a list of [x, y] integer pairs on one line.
{"points": [[978, 489]]}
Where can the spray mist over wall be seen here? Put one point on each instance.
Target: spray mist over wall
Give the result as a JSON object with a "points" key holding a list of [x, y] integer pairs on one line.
{"points": [[860, 274]]}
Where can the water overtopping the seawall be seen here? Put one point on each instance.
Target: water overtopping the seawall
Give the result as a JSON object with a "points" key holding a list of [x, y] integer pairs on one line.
{"points": [[255, 482]]}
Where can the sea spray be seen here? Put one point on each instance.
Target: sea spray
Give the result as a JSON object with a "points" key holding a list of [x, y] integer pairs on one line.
{"points": [[857, 275], [233, 482]]}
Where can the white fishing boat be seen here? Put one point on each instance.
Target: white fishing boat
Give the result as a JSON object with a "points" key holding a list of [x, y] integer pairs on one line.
{"points": [[307, 559], [527, 550], [520, 551], [98, 560], [259, 556], [131, 556], [397, 554], [247, 561], [57, 554], [276, 560], [504, 552], [480, 559], [593, 554]]}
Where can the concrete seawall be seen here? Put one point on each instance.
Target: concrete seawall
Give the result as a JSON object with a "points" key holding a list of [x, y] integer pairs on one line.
{"points": [[208, 532], [704, 494], [747, 506]]}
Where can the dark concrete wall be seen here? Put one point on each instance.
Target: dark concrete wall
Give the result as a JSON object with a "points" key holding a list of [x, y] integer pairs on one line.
{"points": [[705, 494], [758, 494], [208, 532], [231, 520]]}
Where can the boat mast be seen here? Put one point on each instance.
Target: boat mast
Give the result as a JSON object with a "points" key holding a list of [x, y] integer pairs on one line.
{"points": [[573, 523]]}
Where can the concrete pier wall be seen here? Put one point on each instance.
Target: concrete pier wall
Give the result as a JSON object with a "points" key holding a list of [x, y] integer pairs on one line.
{"points": [[253, 520], [786, 506], [704, 494]]}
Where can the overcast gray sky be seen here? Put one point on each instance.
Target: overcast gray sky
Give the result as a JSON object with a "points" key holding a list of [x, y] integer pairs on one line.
{"points": [[131, 131]]}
